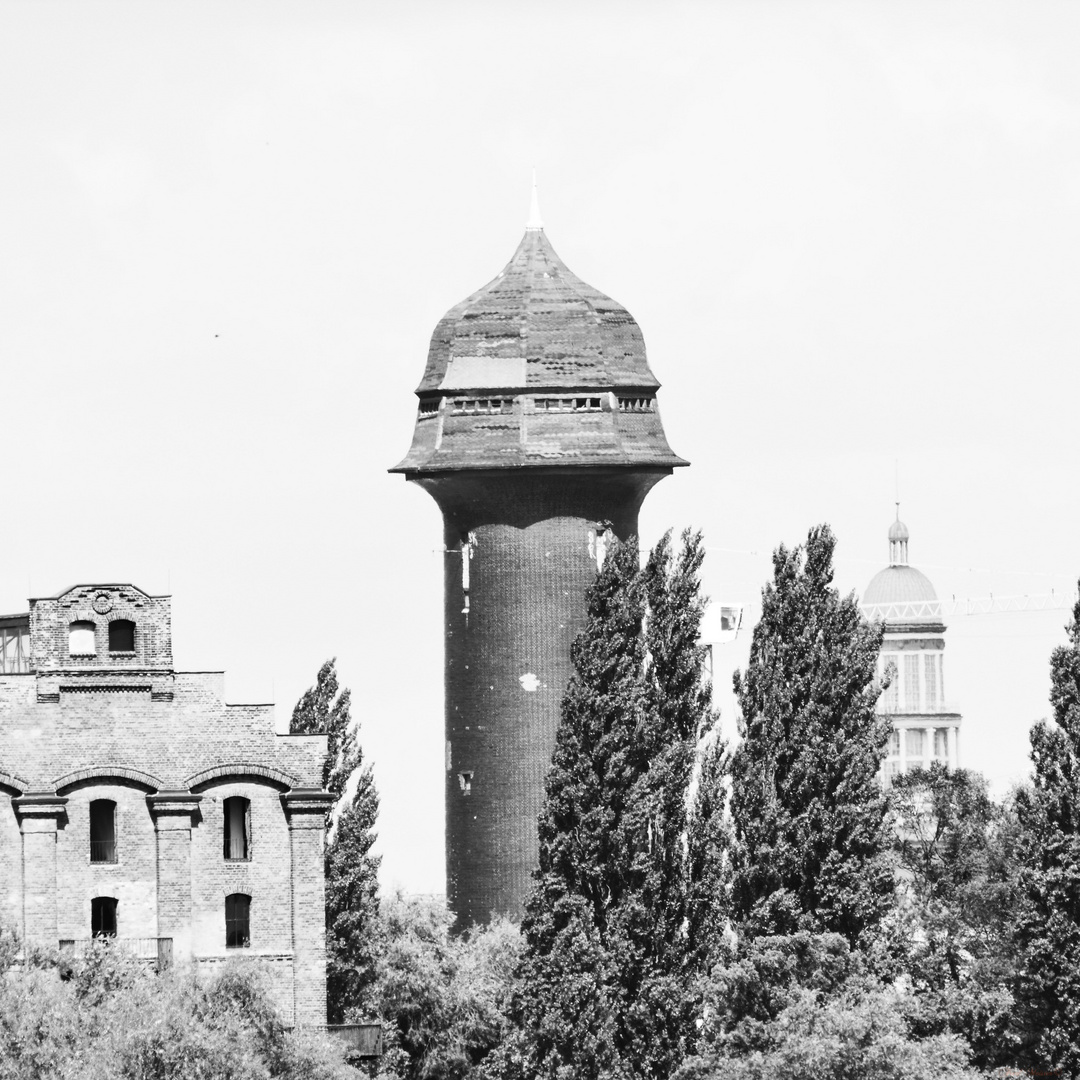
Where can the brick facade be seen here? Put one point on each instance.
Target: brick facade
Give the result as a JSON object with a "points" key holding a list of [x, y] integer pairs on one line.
{"points": [[93, 719]]}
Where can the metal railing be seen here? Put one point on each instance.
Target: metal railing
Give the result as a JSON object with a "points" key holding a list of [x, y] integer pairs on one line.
{"points": [[236, 848], [156, 949], [103, 851]]}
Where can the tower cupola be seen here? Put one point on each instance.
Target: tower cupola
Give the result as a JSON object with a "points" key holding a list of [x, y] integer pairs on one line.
{"points": [[537, 368]]}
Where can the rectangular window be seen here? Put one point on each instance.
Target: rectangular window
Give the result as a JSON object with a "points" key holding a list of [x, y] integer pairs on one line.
{"points": [[890, 698], [894, 744], [103, 916], [915, 746], [911, 682], [237, 813], [14, 650], [103, 831], [237, 921], [930, 670], [941, 744]]}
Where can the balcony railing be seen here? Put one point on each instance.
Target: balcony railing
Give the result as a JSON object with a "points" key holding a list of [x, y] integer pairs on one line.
{"points": [[103, 851], [935, 708], [156, 949], [236, 849]]}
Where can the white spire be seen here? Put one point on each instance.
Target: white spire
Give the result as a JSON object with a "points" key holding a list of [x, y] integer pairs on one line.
{"points": [[534, 221]]}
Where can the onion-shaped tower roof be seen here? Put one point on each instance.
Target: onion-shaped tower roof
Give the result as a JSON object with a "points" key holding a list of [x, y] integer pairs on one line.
{"points": [[537, 368]]}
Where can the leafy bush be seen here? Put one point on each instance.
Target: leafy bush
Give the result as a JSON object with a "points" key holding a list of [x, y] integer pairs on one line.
{"points": [[105, 1016]]}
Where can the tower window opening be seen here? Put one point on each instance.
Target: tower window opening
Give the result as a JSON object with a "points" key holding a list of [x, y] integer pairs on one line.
{"points": [[911, 682], [581, 404], [481, 406], [121, 635], [465, 782], [102, 831], [237, 829], [238, 921], [81, 639], [428, 409], [103, 916], [941, 744], [636, 404], [915, 745]]}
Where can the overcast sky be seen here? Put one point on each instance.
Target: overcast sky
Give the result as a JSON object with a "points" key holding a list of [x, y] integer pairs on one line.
{"points": [[849, 232]]}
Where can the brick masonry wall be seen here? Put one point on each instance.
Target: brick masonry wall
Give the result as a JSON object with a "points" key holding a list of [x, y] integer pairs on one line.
{"points": [[265, 876], [127, 727], [131, 879], [531, 544]]}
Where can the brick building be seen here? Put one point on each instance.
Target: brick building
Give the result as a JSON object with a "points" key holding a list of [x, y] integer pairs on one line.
{"points": [[926, 724], [134, 802], [538, 435]]}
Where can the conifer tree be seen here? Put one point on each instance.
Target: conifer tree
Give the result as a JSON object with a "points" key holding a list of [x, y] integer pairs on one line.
{"points": [[351, 869], [808, 809], [1048, 924], [601, 988]]}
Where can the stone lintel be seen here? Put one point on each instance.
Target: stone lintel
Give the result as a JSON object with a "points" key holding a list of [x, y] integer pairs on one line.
{"points": [[40, 811], [306, 808], [173, 809]]}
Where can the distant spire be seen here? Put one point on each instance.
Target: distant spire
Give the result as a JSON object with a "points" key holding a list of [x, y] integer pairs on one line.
{"points": [[535, 221]]}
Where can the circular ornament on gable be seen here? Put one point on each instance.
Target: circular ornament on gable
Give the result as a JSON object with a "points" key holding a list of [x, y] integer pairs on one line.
{"points": [[103, 603]]}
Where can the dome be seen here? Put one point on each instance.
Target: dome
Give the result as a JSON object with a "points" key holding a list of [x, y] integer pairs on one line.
{"points": [[899, 531], [537, 369], [536, 325], [899, 585]]}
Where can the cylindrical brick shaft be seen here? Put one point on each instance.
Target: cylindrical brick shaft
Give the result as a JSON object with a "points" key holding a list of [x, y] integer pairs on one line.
{"points": [[521, 550]]}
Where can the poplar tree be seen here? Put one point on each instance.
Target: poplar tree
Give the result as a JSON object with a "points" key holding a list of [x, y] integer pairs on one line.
{"points": [[808, 809], [601, 987], [352, 885], [1048, 923]]}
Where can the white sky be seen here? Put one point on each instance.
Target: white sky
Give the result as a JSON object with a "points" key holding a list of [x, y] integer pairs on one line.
{"points": [[849, 233]]}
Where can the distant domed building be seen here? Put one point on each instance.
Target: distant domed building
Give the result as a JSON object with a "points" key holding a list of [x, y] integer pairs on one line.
{"points": [[925, 727]]}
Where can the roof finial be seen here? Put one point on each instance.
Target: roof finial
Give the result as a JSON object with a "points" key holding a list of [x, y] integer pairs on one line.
{"points": [[534, 221]]}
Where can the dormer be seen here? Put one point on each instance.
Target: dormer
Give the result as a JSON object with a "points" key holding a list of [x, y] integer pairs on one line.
{"points": [[109, 627]]}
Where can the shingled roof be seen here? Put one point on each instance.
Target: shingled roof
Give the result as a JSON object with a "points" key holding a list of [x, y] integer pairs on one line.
{"points": [[537, 368]]}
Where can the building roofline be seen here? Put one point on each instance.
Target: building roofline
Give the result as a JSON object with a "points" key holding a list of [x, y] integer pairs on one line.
{"points": [[102, 585]]}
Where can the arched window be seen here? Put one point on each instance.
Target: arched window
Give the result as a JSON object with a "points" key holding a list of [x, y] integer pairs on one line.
{"points": [[237, 828], [103, 831], [81, 639], [121, 635], [103, 916], [237, 921]]}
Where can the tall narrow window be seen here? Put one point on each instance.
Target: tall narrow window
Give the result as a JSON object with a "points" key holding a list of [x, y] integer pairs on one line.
{"points": [[941, 744], [103, 916], [911, 682], [930, 671], [890, 698], [237, 921], [237, 827], [121, 635], [103, 830], [915, 747], [81, 639]]}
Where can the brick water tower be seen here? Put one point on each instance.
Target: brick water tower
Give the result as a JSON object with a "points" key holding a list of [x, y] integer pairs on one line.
{"points": [[538, 435]]}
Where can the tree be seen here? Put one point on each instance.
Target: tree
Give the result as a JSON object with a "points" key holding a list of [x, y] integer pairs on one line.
{"points": [[351, 868], [601, 987], [1048, 924], [442, 998], [810, 848], [956, 854]]}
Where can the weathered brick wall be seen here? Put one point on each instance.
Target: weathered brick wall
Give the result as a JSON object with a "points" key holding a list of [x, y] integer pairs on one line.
{"points": [[306, 834], [131, 879], [167, 750], [531, 543], [264, 877]]}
